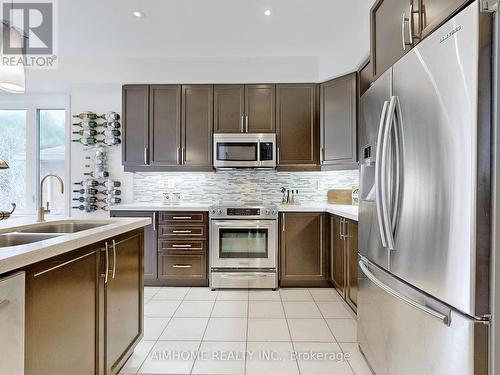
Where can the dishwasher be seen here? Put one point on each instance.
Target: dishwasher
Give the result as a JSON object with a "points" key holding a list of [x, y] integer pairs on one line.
{"points": [[12, 294]]}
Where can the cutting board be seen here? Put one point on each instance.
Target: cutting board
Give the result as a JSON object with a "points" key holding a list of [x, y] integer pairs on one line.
{"points": [[340, 196]]}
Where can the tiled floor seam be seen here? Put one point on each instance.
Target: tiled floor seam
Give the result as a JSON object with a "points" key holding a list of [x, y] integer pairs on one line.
{"points": [[289, 332], [158, 339], [204, 332]]}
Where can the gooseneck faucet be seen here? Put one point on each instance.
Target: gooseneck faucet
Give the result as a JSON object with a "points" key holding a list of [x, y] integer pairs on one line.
{"points": [[42, 210]]}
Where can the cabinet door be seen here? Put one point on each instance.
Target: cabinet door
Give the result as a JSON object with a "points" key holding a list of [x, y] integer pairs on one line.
{"points": [[352, 264], [229, 108], [434, 12], [337, 255], [124, 299], [197, 126], [387, 44], [135, 108], [150, 243], [297, 126], [302, 252], [165, 125], [365, 78], [61, 315], [338, 121], [260, 108]]}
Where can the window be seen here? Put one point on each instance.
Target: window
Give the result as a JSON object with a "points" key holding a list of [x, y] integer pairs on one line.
{"points": [[33, 141], [13, 142], [52, 146]]}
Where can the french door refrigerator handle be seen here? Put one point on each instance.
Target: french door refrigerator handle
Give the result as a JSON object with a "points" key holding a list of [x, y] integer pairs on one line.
{"points": [[445, 319], [378, 189], [389, 122], [398, 140]]}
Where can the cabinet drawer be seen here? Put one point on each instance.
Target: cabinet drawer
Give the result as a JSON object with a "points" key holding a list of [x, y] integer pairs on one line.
{"points": [[181, 266], [182, 218], [182, 246], [182, 231]]}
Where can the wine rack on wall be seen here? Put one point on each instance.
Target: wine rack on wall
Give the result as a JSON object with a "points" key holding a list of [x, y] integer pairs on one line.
{"points": [[96, 133]]}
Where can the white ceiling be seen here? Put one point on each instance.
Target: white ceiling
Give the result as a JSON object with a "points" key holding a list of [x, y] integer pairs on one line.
{"points": [[211, 28]]}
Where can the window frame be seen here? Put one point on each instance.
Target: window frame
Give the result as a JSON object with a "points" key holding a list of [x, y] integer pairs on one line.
{"points": [[32, 104]]}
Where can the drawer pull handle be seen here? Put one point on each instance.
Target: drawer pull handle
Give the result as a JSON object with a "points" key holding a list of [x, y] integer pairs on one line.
{"points": [[181, 246], [181, 231], [182, 218], [4, 303], [182, 266]]}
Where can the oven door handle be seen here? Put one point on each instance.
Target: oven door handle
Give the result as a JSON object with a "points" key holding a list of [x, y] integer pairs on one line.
{"points": [[242, 276]]}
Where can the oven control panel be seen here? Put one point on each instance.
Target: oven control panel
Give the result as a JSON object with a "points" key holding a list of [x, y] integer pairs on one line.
{"points": [[244, 212]]}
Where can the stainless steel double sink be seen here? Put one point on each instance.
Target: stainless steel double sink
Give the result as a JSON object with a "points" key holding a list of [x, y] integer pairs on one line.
{"points": [[44, 231]]}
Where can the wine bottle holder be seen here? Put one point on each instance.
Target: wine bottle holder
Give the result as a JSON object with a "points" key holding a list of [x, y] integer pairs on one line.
{"points": [[97, 190]]}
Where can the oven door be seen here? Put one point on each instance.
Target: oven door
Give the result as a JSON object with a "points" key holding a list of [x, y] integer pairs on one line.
{"points": [[243, 244], [236, 154]]}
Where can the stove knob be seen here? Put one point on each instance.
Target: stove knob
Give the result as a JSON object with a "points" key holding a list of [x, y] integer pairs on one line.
{"points": [[268, 212], [213, 212], [274, 212], [219, 211]]}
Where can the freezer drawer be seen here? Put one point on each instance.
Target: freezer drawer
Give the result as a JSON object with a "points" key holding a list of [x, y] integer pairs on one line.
{"points": [[12, 324], [402, 331]]}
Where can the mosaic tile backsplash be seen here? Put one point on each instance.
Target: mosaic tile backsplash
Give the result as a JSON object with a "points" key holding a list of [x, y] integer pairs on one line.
{"points": [[240, 186]]}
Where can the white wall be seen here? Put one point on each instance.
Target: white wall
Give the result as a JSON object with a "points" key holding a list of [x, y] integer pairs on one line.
{"points": [[100, 101]]}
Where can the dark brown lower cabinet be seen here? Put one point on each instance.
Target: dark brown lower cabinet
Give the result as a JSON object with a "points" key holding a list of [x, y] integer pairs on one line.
{"points": [[303, 261], [343, 243], [150, 242], [62, 335], [124, 300], [76, 322]]}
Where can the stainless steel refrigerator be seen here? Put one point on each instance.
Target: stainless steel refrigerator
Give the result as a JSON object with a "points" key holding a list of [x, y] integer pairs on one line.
{"points": [[424, 225]]}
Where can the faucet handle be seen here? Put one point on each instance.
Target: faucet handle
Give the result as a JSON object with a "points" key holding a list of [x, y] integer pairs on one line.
{"points": [[47, 210]]}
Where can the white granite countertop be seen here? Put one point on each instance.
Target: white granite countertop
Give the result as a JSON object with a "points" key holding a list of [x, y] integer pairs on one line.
{"points": [[13, 257], [183, 206], [347, 211]]}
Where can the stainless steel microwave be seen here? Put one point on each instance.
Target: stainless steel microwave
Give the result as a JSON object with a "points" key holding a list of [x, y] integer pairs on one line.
{"points": [[244, 150]]}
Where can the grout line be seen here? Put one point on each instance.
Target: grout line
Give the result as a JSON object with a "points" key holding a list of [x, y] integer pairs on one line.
{"points": [[204, 331], [290, 333]]}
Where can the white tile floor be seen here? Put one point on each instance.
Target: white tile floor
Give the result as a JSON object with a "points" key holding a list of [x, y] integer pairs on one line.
{"points": [[199, 331]]}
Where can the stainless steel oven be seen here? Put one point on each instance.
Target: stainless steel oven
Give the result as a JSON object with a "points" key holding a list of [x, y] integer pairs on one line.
{"points": [[244, 150], [243, 247]]}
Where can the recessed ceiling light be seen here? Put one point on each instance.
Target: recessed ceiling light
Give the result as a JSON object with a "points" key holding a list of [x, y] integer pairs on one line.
{"points": [[138, 14], [267, 12]]}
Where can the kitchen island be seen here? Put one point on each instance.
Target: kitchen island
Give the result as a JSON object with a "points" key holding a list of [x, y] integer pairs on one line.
{"points": [[72, 295]]}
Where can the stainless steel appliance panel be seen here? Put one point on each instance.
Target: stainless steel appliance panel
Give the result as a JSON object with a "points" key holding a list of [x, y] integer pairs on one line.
{"points": [[244, 150], [372, 114], [435, 107], [402, 331], [229, 237]]}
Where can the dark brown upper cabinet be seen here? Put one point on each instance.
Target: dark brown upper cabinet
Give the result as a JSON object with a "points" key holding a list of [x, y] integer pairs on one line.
{"points": [[164, 125], [260, 108], [297, 126], [167, 127], [338, 113], [398, 25], [135, 110], [197, 127], [229, 108], [391, 21], [435, 12], [303, 256], [365, 77], [244, 108]]}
